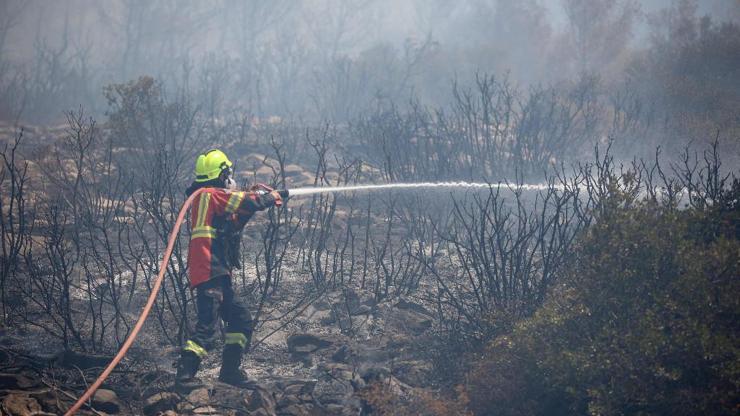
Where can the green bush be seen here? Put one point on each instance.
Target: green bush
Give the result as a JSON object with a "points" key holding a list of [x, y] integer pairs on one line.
{"points": [[645, 321]]}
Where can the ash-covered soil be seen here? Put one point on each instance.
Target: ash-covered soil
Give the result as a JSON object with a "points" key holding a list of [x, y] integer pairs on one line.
{"points": [[314, 358]]}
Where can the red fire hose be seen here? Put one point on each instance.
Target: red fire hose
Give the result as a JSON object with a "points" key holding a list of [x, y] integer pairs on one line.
{"points": [[152, 297]]}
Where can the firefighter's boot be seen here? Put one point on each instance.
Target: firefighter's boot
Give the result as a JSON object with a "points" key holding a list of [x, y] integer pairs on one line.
{"points": [[187, 367], [230, 371]]}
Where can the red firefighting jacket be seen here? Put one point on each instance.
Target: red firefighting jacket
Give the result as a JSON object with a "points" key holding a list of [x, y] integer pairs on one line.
{"points": [[217, 218]]}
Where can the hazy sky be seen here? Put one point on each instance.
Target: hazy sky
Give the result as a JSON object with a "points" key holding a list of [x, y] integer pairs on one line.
{"points": [[285, 56], [374, 20]]}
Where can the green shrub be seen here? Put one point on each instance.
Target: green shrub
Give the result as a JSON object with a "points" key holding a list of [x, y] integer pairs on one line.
{"points": [[645, 321]]}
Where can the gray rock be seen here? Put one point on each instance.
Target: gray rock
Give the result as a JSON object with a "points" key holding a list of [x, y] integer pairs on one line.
{"points": [[298, 387], [229, 396], [261, 400], [301, 346], [206, 410], [160, 402], [306, 343], [184, 407], [337, 370], [47, 399], [334, 409], [106, 400], [199, 397], [17, 404], [351, 406]]}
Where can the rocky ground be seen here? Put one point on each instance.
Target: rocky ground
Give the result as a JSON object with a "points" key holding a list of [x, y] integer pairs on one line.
{"points": [[320, 363]]}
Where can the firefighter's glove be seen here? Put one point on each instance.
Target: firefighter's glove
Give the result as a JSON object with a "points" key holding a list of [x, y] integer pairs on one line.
{"points": [[279, 198]]}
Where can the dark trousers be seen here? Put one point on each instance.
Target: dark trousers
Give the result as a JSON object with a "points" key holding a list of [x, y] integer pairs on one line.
{"points": [[214, 299]]}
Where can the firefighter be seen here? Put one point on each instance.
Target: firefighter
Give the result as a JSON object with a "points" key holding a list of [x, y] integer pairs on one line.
{"points": [[218, 216]]}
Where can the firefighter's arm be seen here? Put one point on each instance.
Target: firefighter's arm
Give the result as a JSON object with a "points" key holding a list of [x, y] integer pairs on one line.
{"points": [[255, 201]]}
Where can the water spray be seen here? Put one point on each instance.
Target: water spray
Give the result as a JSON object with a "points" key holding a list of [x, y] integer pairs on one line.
{"points": [[460, 185]]}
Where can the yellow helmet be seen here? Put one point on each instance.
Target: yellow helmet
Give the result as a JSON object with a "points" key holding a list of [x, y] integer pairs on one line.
{"points": [[210, 165]]}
